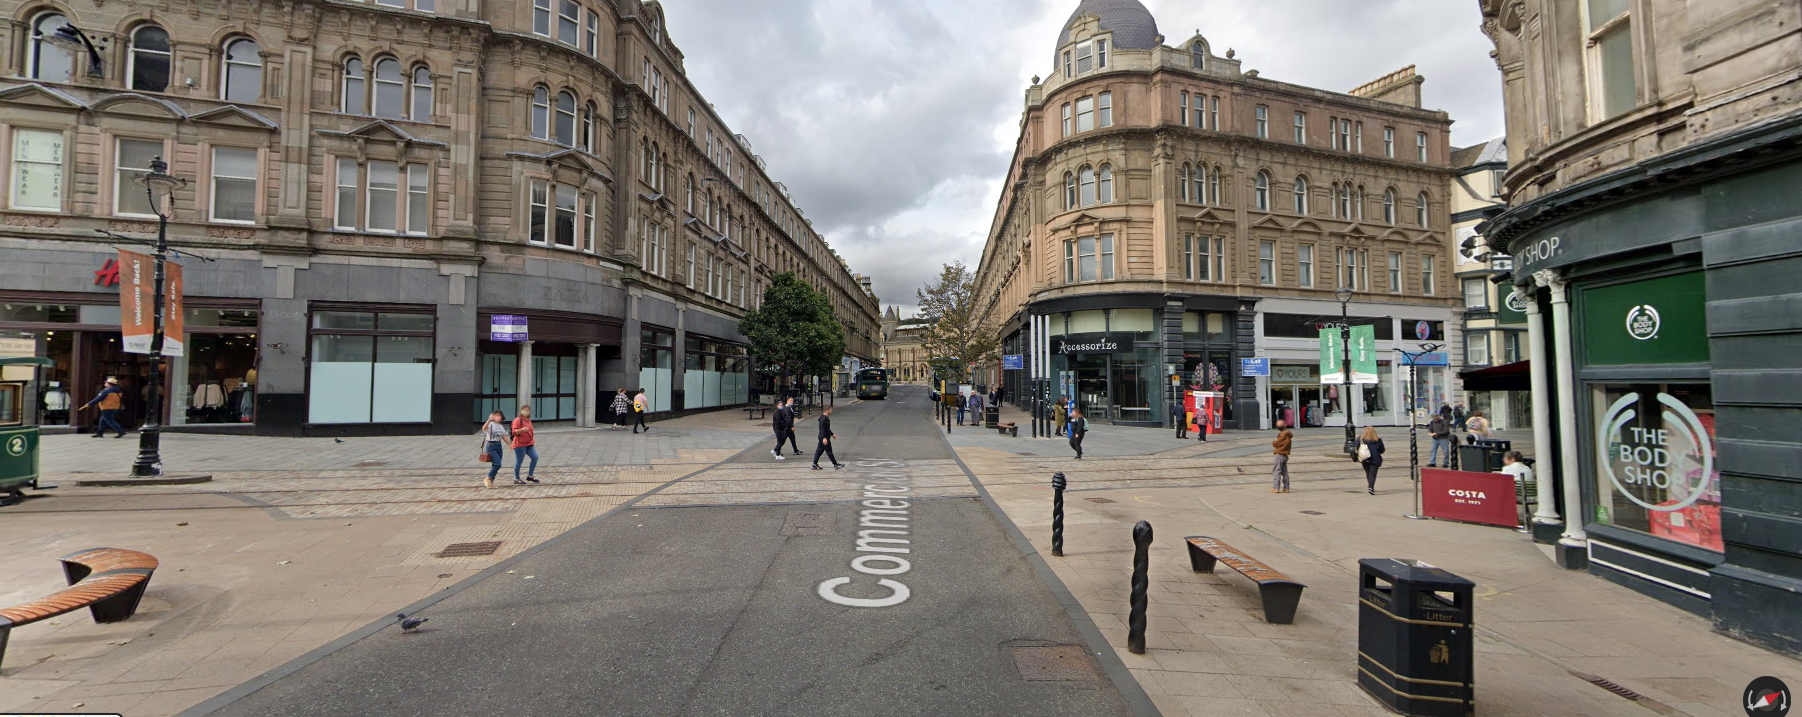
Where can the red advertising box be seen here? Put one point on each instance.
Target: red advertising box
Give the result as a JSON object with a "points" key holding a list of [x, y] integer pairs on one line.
{"points": [[1486, 498]]}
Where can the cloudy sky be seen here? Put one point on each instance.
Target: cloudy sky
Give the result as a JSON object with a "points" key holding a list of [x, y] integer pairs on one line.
{"points": [[892, 122]]}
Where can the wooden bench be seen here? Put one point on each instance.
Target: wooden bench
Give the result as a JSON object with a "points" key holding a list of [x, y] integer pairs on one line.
{"points": [[1280, 594], [1010, 429], [107, 581], [753, 413]]}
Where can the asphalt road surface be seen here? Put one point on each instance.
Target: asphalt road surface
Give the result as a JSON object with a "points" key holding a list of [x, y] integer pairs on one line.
{"points": [[725, 611]]}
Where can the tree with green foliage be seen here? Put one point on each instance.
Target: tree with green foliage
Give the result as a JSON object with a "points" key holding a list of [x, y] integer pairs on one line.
{"points": [[956, 328], [794, 332]]}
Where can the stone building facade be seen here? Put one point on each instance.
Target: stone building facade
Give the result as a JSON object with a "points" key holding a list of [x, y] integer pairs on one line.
{"points": [[903, 352], [1173, 213], [1492, 375], [376, 181], [1655, 157]]}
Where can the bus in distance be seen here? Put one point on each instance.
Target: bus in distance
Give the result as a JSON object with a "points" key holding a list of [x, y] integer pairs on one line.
{"points": [[872, 383]]}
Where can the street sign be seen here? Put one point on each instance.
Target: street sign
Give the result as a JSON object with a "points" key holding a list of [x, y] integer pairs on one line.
{"points": [[1436, 358], [503, 327], [1254, 367], [1013, 362]]}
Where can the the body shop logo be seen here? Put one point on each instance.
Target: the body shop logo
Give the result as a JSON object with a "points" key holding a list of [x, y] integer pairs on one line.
{"points": [[1639, 460], [1517, 301], [1643, 322]]}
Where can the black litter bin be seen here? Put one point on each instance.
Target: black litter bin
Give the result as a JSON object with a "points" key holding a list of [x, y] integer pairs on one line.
{"points": [[1414, 638], [1476, 458], [991, 416]]}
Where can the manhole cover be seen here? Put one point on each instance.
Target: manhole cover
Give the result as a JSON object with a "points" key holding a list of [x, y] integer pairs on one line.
{"points": [[371, 464], [1054, 663], [1099, 500], [1310, 512], [805, 523], [469, 550]]}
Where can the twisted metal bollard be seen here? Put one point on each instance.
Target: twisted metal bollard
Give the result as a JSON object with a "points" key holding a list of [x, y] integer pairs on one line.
{"points": [[1135, 620], [1057, 514]]}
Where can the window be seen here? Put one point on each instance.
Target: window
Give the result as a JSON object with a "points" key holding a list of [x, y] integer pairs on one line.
{"points": [[1100, 54], [1197, 56], [1200, 193], [586, 135], [1389, 206], [1104, 109], [1332, 132], [1067, 66], [1395, 272], [1070, 191], [385, 208], [1420, 210], [541, 112], [131, 162], [1389, 142], [1476, 297], [1342, 194], [554, 213], [1182, 108], [1301, 195], [1214, 114], [1089, 259], [1261, 191], [1198, 105], [1085, 114], [1420, 146], [1086, 180], [541, 17], [149, 58], [590, 33], [1426, 275], [1304, 265], [49, 60], [564, 223], [37, 170], [1263, 122], [419, 199], [390, 89], [569, 15], [1214, 186], [1066, 119], [1354, 269], [1182, 183], [691, 123], [1189, 256], [382, 211], [1106, 184], [346, 214], [1345, 128], [243, 71], [565, 128], [356, 88], [1358, 137], [1301, 128], [234, 184], [1608, 57], [1511, 347], [370, 368], [1476, 349], [422, 94], [1267, 262], [1085, 57]]}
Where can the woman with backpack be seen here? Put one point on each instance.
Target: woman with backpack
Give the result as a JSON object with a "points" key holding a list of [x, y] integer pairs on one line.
{"points": [[494, 437], [1370, 453]]}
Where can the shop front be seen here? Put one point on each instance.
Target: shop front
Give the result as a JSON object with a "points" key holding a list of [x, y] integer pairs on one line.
{"points": [[1296, 392], [1126, 365], [556, 351]]}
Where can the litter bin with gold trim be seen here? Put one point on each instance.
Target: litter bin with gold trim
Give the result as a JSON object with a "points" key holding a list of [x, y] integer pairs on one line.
{"points": [[1414, 638]]}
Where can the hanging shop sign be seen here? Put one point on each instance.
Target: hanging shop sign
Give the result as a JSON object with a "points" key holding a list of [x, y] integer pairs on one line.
{"points": [[1092, 344], [503, 327], [1662, 320], [137, 304], [1434, 358], [1254, 367], [1486, 498], [1513, 309]]}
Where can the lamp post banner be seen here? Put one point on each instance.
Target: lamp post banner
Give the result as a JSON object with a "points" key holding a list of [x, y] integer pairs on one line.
{"points": [[1330, 356], [137, 301], [1364, 354], [174, 328]]}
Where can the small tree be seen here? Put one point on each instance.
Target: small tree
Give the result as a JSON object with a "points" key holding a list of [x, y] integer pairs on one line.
{"points": [[955, 329], [794, 332]]}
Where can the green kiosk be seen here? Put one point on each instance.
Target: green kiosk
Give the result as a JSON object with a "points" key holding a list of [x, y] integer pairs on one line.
{"points": [[18, 426]]}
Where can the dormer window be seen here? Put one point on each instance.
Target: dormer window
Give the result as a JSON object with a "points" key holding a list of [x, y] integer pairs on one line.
{"points": [[1091, 55], [1197, 56]]}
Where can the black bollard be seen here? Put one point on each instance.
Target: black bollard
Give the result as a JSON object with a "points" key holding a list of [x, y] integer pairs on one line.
{"points": [[1135, 620], [1057, 514]]}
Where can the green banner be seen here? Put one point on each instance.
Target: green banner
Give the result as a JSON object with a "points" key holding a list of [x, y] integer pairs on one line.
{"points": [[1511, 305], [1330, 352], [1364, 354]]}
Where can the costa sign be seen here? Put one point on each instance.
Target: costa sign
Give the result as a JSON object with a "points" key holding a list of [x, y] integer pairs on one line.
{"points": [[1639, 459], [1486, 498]]}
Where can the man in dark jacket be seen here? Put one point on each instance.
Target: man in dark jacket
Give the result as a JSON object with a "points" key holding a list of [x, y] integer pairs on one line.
{"points": [[1440, 428], [1179, 414], [782, 423], [110, 400], [1079, 428], [825, 445]]}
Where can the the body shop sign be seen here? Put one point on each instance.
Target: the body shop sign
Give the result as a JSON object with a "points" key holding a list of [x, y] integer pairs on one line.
{"points": [[1665, 469]]}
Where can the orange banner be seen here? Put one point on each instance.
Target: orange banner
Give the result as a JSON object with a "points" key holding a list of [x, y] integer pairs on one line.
{"points": [[136, 300], [173, 313]]}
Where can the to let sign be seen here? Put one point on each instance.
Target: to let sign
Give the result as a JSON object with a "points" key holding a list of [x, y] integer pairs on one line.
{"points": [[507, 328], [1486, 498], [1013, 362]]}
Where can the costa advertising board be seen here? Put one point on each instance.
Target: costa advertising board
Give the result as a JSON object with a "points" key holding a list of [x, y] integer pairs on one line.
{"points": [[1486, 498]]}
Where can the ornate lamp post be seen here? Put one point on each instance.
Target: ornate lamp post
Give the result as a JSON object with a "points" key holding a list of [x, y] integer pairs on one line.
{"points": [[1344, 295], [161, 187]]}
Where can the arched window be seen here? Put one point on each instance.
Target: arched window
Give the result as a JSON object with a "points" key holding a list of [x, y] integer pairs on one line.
{"points": [[422, 94], [1358, 203], [566, 118], [1069, 191], [587, 134], [1201, 185], [149, 59], [1389, 206], [1107, 184], [390, 89], [1420, 210], [689, 189], [243, 71], [541, 112], [1301, 195], [49, 60], [1344, 201], [1261, 191], [1085, 180], [1197, 55], [1182, 183], [356, 89], [662, 169], [1214, 186]]}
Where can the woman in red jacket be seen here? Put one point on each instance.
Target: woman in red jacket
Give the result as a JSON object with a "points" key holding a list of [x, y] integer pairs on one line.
{"points": [[523, 446]]}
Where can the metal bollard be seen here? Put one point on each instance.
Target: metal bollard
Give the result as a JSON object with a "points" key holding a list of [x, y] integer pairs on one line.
{"points": [[1135, 620], [1057, 514]]}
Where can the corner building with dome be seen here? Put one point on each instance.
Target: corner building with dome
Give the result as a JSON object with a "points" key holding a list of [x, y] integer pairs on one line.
{"points": [[1172, 213]]}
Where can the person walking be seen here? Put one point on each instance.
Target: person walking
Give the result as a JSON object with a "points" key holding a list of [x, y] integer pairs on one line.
{"points": [[109, 400], [976, 417], [963, 403], [494, 436], [640, 406], [1370, 453], [1180, 417], [1079, 429], [523, 446], [1279, 464], [622, 406], [1061, 414], [782, 423], [1478, 426], [825, 445], [794, 411], [1459, 415], [1440, 429]]}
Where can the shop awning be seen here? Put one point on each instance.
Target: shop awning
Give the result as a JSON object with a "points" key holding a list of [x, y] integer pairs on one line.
{"points": [[1506, 377]]}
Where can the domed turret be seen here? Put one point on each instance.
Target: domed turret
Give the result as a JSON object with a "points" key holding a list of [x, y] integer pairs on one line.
{"points": [[1133, 26]]}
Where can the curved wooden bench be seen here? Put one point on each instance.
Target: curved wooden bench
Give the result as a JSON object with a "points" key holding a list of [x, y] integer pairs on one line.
{"points": [[1281, 595], [107, 581]]}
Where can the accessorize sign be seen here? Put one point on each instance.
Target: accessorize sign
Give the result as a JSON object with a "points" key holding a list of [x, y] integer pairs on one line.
{"points": [[137, 304], [1486, 498], [1092, 344], [503, 327]]}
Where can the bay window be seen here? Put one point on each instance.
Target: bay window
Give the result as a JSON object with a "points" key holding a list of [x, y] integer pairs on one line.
{"points": [[1089, 259]]}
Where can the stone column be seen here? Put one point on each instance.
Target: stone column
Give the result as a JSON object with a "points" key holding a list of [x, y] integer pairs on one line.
{"points": [[524, 375], [586, 366], [1546, 523], [1573, 547]]}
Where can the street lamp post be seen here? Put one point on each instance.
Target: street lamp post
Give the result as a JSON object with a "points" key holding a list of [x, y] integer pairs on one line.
{"points": [[1344, 295], [160, 186]]}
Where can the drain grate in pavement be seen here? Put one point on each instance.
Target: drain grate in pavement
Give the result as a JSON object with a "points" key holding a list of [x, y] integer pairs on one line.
{"points": [[370, 464], [1609, 685], [1054, 663], [1099, 500], [1310, 512], [805, 523], [469, 550]]}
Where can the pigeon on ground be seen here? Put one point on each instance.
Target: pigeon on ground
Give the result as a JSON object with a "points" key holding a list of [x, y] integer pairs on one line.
{"points": [[409, 624], [337, 440], [1241, 470]]}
